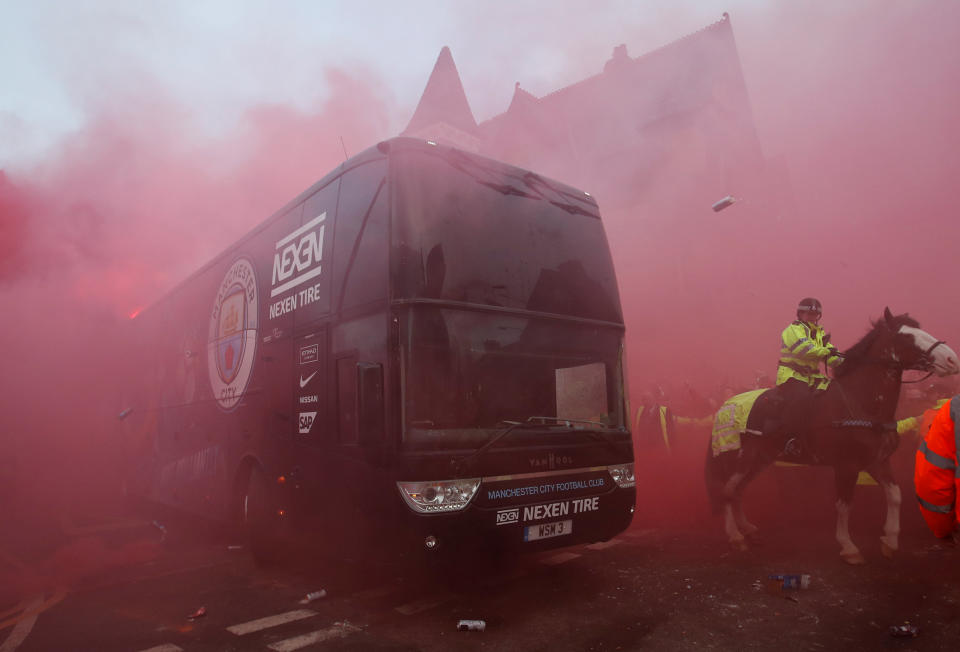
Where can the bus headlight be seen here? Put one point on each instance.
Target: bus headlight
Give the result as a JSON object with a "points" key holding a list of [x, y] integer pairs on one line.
{"points": [[440, 495], [622, 474]]}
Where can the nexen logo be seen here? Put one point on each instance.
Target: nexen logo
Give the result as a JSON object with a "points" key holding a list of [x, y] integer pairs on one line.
{"points": [[298, 255], [505, 516]]}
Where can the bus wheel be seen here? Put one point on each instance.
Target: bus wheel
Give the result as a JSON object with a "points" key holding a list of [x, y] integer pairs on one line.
{"points": [[260, 520]]}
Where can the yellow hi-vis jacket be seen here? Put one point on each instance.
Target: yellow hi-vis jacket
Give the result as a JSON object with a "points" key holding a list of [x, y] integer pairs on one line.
{"points": [[643, 425], [801, 350], [921, 423], [665, 421]]}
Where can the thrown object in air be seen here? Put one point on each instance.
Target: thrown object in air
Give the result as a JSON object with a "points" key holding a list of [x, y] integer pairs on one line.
{"points": [[729, 200]]}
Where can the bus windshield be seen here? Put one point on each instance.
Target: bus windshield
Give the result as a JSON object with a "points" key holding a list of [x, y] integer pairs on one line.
{"points": [[468, 371], [472, 230]]}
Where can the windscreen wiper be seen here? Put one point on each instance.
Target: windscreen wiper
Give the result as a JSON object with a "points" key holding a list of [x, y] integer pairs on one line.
{"points": [[536, 182], [503, 188], [573, 209], [460, 162], [597, 433], [461, 464]]}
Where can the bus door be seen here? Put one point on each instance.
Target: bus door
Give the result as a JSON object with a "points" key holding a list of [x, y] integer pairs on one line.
{"points": [[356, 415]]}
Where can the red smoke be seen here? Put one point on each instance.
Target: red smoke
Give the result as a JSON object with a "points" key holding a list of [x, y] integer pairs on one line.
{"points": [[138, 199], [855, 103], [123, 210]]}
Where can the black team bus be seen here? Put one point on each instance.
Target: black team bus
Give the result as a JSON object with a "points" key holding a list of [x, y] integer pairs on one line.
{"points": [[425, 349]]}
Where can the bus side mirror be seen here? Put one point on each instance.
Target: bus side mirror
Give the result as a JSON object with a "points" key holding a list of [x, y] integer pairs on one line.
{"points": [[370, 403]]}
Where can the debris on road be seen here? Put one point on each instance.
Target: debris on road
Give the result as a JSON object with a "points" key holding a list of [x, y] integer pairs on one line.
{"points": [[315, 595], [904, 630], [788, 582], [471, 625], [199, 613]]}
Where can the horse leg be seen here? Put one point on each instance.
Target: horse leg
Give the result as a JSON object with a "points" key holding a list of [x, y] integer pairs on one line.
{"points": [[883, 474], [760, 457], [753, 460], [846, 481], [748, 528], [722, 479], [731, 506]]}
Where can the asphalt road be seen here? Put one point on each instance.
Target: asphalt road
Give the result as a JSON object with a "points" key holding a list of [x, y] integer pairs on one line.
{"points": [[79, 576], [111, 584]]}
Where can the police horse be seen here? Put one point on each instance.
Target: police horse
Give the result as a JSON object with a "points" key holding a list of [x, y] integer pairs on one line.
{"points": [[850, 427]]}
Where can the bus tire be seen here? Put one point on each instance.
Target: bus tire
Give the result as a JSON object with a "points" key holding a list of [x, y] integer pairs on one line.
{"points": [[260, 520]]}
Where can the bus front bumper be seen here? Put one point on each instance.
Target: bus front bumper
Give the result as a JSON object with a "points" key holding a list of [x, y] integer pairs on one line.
{"points": [[527, 527]]}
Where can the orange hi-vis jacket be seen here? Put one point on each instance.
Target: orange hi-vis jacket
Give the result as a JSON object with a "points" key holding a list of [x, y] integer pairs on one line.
{"points": [[936, 475]]}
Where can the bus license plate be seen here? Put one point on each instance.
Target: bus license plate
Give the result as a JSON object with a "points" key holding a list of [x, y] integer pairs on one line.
{"points": [[547, 530]]}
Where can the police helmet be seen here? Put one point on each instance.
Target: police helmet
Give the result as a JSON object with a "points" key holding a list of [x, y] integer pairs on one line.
{"points": [[809, 304]]}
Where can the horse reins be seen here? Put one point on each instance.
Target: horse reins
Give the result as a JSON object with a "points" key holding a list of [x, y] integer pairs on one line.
{"points": [[927, 364], [924, 363]]}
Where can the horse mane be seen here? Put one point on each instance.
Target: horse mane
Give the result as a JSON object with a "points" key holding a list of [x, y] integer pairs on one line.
{"points": [[858, 351]]}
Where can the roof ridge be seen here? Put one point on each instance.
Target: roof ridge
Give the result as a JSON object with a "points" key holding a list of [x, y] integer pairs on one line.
{"points": [[725, 18]]}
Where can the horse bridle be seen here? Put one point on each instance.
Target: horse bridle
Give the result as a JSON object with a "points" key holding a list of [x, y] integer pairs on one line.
{"points": [[925, 364]]}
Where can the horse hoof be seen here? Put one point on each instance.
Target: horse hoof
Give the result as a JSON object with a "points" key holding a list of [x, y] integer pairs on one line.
{"points": [[887, 551], [854, 559]]}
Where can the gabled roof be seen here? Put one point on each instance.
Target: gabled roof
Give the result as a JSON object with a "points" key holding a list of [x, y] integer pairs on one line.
{"points": [[633, 76], [525, 117], [521, 99], [443, 100]]}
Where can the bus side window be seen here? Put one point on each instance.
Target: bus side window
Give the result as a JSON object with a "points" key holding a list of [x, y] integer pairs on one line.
{"points": [[347, 401], [370, 403], [360, 249], [302, 259]]}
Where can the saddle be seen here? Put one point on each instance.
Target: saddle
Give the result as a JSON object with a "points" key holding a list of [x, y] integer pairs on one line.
{"points": [[759, 412], [733, 420]]}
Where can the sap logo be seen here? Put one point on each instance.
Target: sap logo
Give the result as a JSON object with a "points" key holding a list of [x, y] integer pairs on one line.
{"points": [[306, 422], [298, 256], [507, 516]]}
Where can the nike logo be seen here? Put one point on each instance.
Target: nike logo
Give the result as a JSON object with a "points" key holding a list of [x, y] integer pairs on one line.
{"points": [[303, 383]]}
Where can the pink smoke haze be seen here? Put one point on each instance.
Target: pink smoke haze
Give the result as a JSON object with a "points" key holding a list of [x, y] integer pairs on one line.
{"points": [[858, 105], [855, 105], [126, 208]]}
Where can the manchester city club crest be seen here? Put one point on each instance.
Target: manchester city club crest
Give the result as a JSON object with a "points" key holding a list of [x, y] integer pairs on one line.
{"points": [[232, 342]]}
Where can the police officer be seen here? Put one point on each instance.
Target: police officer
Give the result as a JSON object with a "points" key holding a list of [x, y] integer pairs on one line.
{"points": [[803, 346], [654, 424]]}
